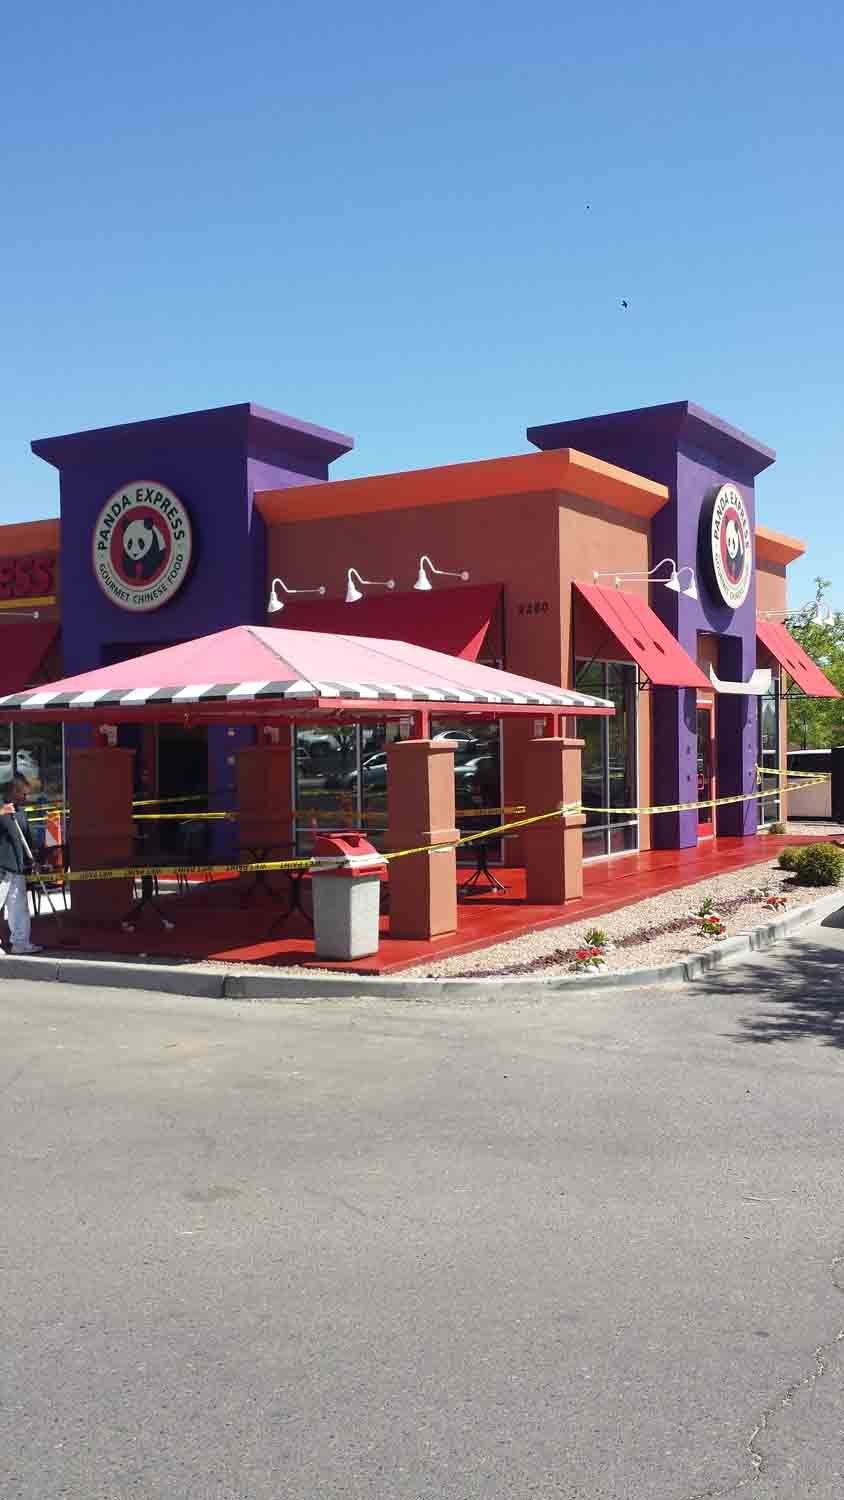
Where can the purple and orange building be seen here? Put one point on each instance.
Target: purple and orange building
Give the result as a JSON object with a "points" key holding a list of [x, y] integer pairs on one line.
{"points": [[623, 557]]}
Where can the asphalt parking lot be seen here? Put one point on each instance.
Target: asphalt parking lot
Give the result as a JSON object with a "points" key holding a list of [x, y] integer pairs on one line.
{"points": [[584, 1247]]}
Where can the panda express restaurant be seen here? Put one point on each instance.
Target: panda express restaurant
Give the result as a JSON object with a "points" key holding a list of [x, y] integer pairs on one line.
{"points": [[621, 558]]}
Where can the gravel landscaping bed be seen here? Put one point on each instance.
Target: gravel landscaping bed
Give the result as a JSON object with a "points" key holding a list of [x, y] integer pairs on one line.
{"points": [[816, 828], [659, 930]]}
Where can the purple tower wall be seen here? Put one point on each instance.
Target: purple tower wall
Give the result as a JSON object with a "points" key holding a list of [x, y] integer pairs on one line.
{"points": [[692, 452], [214, 461]]}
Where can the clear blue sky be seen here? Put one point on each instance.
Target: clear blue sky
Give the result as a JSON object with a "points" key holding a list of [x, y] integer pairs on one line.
{"points": [[374, 217]]}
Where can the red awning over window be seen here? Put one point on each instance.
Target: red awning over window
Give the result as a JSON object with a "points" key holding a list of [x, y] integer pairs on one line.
{"points": [[23, 647], [451, 620], [643, 637], [790, 654]]}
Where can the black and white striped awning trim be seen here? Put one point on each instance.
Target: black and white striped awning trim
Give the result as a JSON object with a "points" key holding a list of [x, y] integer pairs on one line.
{"points": [[233, 692]]}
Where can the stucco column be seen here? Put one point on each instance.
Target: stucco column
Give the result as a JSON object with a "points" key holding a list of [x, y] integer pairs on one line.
{"points": [[265, 800], [102, 831], [553, 849], [420, 809]]}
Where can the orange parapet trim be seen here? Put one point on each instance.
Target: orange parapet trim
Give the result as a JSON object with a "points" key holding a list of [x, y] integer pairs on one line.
{"points": [[772, 546], [25, 537], [563, 469]]}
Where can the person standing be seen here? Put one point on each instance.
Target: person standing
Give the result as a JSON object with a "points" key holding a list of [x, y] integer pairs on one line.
{"points": [[14, 862]]}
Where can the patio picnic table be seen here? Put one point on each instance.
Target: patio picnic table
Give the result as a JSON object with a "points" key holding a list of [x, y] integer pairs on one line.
{"points": [[266, 853]]}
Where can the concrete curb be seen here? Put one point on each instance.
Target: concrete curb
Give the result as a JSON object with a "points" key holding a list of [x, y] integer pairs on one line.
{"points": [[209, 984]]}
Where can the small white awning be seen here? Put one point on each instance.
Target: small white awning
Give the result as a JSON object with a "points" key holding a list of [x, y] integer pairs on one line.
{"points": [[758, 684]]}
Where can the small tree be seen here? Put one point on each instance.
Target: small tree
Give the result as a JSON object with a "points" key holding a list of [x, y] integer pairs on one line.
{"points": [[817, 723]]}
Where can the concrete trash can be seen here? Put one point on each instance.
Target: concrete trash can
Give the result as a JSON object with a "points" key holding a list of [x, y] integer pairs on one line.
{"points": [[346, 885]]}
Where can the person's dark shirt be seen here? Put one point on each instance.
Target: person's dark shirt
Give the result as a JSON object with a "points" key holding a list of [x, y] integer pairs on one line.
{"points": [[12, 857]]}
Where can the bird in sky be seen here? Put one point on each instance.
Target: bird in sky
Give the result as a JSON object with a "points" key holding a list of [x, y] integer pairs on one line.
{"points": [[624, 302]]}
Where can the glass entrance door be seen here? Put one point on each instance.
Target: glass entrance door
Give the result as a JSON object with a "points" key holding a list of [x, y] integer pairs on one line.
{"points": [[182, 756], [609, 763], [706, 769], [769, 807]]}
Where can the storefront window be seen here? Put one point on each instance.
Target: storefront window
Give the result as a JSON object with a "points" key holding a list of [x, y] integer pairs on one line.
{"points": [[609, 760], [341, 777], [39, 756], [326, 781], [769, 807]]}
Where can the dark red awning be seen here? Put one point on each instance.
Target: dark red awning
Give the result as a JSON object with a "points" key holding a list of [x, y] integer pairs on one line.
{"points": [[451, 620], [644, 638], [23, 647], [790, 654]]}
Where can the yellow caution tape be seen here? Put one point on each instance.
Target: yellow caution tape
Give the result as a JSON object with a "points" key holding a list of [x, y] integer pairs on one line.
{"points": [[321, 815], [136, 872], [486, 833], [707, 802], [164, 801], [183, 817], [781, 771]]}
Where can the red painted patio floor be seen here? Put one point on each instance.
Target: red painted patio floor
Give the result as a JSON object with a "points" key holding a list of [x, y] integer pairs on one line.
{"points": [[211, 922]]}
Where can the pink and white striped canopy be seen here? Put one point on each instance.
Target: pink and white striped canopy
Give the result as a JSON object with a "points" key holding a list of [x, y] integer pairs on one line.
{"points": [[234, 673]]}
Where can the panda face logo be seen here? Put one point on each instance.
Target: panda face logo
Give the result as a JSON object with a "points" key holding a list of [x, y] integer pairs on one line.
{"points": [[730, 543], [142, 546], [733, 548]]}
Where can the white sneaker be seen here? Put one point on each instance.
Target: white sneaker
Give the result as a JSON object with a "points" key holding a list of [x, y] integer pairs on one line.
{"points": [[26, 949]]}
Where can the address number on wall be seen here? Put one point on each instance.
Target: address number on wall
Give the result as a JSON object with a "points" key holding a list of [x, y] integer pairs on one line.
{"points": [[535, 607]]}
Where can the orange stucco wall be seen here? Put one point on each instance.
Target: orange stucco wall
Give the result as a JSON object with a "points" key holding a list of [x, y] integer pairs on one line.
{"points": [[770, 586], [31, 539], [20, 538], [535, 545], [478, 535]]}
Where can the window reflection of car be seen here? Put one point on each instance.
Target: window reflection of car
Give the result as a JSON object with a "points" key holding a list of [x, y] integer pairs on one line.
{"points": [[458, 735], [473, 773], [373, 773], [316, 743]]}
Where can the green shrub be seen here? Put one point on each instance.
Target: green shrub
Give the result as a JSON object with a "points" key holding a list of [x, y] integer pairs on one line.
{"points": [[776, 828], [787, 858], [819, 864]]}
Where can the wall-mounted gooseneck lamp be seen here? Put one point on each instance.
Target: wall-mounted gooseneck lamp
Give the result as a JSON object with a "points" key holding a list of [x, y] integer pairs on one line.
{"points": [[275, 603], [423, 581], [353, 593], [813, 613], [672, 582]]}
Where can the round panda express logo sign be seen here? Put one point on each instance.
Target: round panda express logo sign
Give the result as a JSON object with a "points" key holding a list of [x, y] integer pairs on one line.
{"points": [[142, 546], [730, 546]]}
